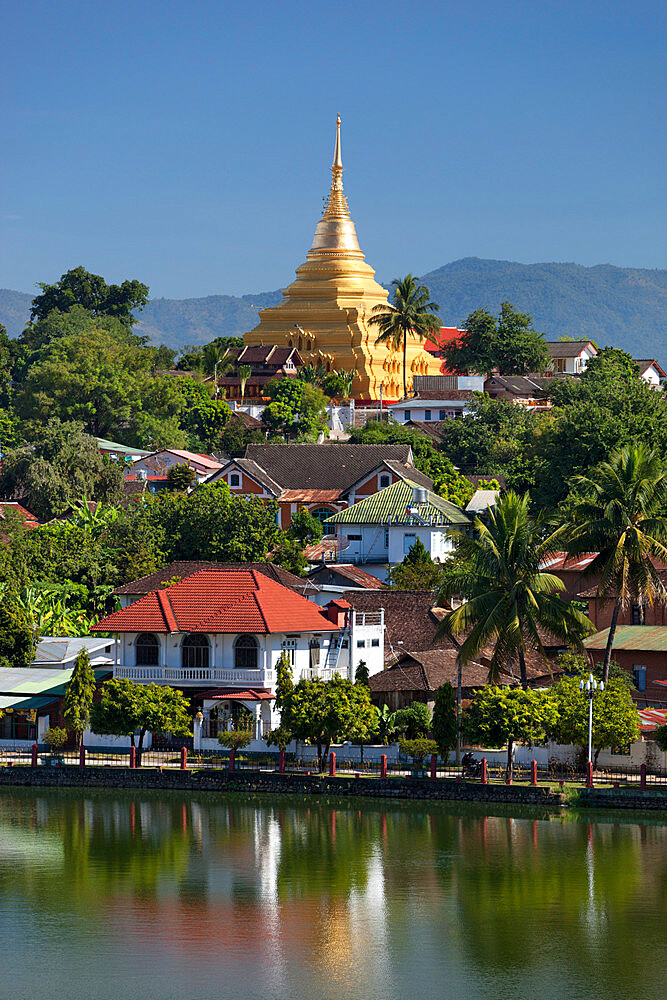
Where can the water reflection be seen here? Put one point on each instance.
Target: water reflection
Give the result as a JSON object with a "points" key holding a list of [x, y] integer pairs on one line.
{"points": [[228, 898]]}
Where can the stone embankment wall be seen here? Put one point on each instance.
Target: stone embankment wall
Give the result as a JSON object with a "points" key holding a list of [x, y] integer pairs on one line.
{"points": [[274, 783], [623, 798]]}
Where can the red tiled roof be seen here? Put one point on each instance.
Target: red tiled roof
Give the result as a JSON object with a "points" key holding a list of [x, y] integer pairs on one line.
{"points": [[216, 601], [29, 520]]}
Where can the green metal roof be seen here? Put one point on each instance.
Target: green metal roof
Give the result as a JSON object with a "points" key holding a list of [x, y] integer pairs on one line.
{"points": [[650, 638], [24, 682], [25, 704], [389, 506], [123, 448]]}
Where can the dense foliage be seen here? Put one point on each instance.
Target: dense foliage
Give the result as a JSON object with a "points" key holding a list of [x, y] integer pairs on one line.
{"points": [[508, 344]]}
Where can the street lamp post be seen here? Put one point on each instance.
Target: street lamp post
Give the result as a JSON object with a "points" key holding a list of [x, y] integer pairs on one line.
{"points": [[590, 686]]}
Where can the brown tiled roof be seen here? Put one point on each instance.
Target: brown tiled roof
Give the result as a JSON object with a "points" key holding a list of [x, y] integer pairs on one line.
{"points": [[410, 621], [431, 428], [520, 385], [323, 466], [185, 568], [310, 496], [326, 548], [426, 670], [409, 472], [567, 348], [247, 421], [349, 572]]}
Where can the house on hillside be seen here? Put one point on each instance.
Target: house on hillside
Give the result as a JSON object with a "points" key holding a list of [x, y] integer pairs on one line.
{"points": [[651, 372], [324, 478], [120, 452], [642, 651], [530, 391], [158, 464], [569, 357], [383, 528], [437, 398], [218, 634]]}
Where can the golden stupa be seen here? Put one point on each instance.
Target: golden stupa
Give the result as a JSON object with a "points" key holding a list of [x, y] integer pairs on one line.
{"points": [[325, 312]]}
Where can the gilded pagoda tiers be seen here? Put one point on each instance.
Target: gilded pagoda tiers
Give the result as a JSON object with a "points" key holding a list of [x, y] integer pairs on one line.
{"points": [[325, 312]]}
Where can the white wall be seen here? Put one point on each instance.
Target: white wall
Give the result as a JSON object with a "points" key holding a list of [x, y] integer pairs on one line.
{"points": [[370, 548]]}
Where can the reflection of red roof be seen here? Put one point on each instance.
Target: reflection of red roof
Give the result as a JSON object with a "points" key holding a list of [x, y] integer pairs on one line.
{"points": [[236, 694], [217, 601]]}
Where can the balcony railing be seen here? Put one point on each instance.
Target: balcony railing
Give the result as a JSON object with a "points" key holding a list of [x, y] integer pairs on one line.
{"points": [[196, 675], [322, 673], [368, 618]]}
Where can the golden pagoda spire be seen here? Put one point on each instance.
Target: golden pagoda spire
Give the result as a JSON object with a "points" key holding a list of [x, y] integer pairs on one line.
{"points": [[335, 233]]}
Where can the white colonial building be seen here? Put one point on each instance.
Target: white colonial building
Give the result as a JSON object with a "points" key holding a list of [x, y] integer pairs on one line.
{"points": [[218, 635]]}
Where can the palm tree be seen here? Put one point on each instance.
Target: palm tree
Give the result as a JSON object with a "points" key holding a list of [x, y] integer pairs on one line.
{"points": [[244, 373], [508, 598], [411, 314], [623, 519]]}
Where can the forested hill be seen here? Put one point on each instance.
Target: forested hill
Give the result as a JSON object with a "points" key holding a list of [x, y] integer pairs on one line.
{"points": [[626, 307]]}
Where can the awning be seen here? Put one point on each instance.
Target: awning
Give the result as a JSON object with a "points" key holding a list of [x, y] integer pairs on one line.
{"points": [[652, 718], [237, 694], [24, 704]]}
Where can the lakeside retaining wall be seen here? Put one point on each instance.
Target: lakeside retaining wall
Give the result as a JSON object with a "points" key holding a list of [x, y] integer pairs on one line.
{"points": [[274, 783]]}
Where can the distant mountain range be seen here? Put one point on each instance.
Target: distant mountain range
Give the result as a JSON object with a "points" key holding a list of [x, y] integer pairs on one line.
{"points": [[623, 306]]}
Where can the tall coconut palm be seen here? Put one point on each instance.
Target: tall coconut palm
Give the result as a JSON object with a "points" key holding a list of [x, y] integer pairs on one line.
{"points": [[508, 599], [623, 519], [411, 314], [244, 373]]}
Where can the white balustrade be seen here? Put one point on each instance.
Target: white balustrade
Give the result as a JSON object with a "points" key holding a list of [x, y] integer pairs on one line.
{"points": [[196, 675]]}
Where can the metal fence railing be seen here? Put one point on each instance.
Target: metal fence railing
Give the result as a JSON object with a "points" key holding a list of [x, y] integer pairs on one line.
{"points": [[179, 758]]}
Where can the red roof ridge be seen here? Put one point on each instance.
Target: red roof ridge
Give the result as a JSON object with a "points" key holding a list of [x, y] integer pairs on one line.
{"points": [[167, 610], [257, 601]]}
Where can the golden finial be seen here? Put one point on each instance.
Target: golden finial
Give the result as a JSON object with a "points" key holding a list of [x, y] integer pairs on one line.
{"points": [[337, 160]]}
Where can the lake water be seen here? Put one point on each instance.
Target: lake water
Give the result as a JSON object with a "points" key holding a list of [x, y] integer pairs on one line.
{"points": [[171, 896]]}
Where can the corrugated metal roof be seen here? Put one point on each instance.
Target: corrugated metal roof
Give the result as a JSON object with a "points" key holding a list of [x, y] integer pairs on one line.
{"points": [[389, 506], [648, 638]]}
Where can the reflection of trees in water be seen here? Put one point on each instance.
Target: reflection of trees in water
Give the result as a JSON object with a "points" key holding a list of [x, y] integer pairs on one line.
{"points": [[502, 894]]}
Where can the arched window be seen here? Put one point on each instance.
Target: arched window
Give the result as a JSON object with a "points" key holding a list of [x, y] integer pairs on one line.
{"points": [[322, 513], [147, 650], [194, 651], [245, 653]]}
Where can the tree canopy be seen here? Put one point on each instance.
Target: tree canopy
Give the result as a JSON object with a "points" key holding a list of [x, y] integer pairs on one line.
{"points": [[80, 287], [125, 708], [508, 344]]}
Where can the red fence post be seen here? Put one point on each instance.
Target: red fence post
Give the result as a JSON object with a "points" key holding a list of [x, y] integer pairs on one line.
{"points": [[232, 759], [533, 772], [434, 759], [133, 757], [642, 775], [485, 775], [184, 758], [281, 762], [33, 757], [82, 756], [589, 774], [383, 766], [332, 765]]}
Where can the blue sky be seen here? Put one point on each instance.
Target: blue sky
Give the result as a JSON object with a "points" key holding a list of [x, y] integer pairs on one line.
{"points": [[189, 144]]}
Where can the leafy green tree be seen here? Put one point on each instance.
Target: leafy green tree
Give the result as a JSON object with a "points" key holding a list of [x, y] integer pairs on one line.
{"points": [[180, 477], [337, 384], [418, 748], [98, 375], [288, 553], [611, 363], [659, 736], [509, 344], [444, 725], [623, 519], [203, 417], [497, 716], [411, 314], [414, 721], [417, 571], [508, 598], [125, 708], [79, 696], [305, 528], [280, 737], [386, 724], [202, 357], [284, 687], [361, 673], [17, 636], [80, 287], [235, 739], [235, 438], [61, 465], [323, 712], [615, 721], [296, 407], [55, 738]]}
